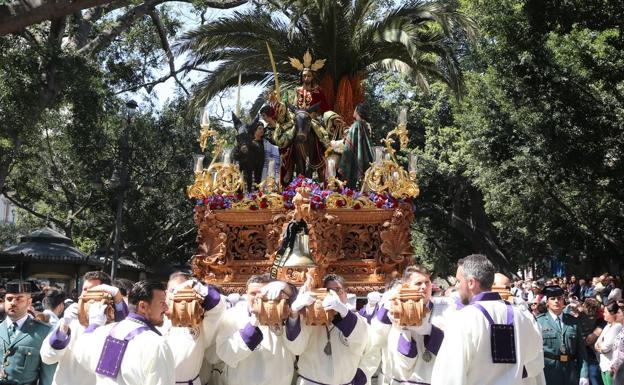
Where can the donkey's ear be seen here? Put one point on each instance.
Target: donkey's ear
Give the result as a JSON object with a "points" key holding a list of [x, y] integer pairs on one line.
{"points": [[255, 121], [292, 108], [314, 107], [237, 122]]}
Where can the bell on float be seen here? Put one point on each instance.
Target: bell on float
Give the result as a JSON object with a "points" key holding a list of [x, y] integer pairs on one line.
{"points": [[300, 254]]}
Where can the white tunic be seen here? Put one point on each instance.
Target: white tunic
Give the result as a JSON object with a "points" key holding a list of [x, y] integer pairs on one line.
{"points": [[188, 345], [397, 367], [252, 355], [465, 355], [316, 367], [607, 344], [147, 361], [68, 371]]}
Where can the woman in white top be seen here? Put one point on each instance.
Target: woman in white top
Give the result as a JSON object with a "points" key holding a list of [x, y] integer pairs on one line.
{"points": [[605, 344]]}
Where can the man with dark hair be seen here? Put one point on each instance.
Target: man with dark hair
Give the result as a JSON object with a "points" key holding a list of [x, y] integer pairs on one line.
{"points": [[21, 337], [328, 354], [409, 353], [189, 344], [255, 354], [124, 285], [131, 352], [489, 341], [58, 347], [99, 280], [53, 305], [95, 275]]}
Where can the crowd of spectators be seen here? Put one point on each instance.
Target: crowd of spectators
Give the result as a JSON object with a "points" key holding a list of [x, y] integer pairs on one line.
{"points": [[598, 305]]}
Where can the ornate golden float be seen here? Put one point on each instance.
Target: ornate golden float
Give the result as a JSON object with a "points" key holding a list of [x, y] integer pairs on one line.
{"points": [[364, 236]]}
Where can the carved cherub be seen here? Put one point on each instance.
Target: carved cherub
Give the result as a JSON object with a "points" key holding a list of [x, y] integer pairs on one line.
{"points": [[301, 200], [312, 278]]}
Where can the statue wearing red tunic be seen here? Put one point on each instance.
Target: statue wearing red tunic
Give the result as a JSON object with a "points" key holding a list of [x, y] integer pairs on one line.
{"points": [[308, 95]]}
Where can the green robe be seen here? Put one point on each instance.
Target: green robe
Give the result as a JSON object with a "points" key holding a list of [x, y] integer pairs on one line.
{"points": [[357, 155]]}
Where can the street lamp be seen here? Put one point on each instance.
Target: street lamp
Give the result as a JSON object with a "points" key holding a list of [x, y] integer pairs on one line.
{"points": [[122, 175]]}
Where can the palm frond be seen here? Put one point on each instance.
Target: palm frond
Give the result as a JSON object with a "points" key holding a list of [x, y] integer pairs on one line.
{"points": [[414, 38]]}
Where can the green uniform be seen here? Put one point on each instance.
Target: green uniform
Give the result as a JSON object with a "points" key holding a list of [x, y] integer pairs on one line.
{"points": [[20, 362], [564, 350]]}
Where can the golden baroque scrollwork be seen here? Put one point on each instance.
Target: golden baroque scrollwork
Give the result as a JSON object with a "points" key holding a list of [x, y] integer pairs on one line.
{"points": [[325, 238], [396, 241], [210, 262], [274, 232], [366, 246]]}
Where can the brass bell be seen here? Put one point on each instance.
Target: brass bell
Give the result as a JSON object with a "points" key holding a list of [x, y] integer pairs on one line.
{"points": [[300, 253]]}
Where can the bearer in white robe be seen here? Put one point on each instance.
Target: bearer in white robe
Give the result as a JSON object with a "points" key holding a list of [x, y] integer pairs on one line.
{"points": [[409, 353], [189, 345], [58, 347], [368, 311], [467, 356], [535, 368], [328, 355], [376, 353], [253, 353], [131, 352]]}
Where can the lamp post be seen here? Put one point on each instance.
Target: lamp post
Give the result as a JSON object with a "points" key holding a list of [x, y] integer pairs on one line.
{"points": [[122, 176]]}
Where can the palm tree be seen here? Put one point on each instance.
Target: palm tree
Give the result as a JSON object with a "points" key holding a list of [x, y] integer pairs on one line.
{"points": [[415, 39]]}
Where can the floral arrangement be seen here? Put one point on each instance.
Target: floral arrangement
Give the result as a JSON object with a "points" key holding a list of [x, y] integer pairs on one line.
{"points": [[320, 199]]}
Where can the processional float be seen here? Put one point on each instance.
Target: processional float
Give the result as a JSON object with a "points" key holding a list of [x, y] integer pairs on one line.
{"points": [[363, 235]]}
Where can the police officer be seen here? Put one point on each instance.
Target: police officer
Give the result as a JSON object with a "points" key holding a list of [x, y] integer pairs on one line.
{"points": [[564, 348], [20, 340]]}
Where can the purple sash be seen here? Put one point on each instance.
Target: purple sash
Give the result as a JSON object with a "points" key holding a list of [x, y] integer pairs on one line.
{"points": [[113, 352], [502, 337]]}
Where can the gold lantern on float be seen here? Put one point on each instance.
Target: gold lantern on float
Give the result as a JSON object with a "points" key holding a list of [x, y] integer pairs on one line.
{"points": [[385, 174], [222, 177]]}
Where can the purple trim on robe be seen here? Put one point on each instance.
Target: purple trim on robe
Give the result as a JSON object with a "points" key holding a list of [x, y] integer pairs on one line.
{"points": [[293, 330], [251, 335], [359, 378], [114, 350], [382, 316], [458, 304], [369, 318], [59, 340], [121, 311], [139, 317], [486, 296], [212, 299], [434, 340], [346, 324], [91, 328], [407, 348]]}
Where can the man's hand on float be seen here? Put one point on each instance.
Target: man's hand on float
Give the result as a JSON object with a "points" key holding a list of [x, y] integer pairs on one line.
{"points": [[194, 284], [97, 314], [332, 302], [112, 290], [304, 299], [274, 289]]}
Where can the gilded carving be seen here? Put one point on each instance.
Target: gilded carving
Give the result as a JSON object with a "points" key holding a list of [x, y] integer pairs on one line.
{"points": [[366, 246]]}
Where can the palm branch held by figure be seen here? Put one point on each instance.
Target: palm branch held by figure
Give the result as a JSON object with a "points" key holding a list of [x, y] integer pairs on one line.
{"points": [[414, 38]]}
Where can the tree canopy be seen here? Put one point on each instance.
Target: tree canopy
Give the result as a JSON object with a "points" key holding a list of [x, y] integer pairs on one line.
{"points": [[520, 132]]}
